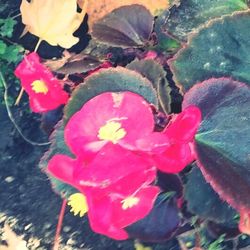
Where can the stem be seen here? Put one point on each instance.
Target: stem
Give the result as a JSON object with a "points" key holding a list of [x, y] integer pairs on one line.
{"points": [[38, 44], [59, 225], [17, 15], [22, 89], [12, 118], [19, 97]]}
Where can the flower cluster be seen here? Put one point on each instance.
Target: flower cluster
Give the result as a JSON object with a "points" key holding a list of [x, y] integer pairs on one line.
{"points": [[117, 154], [44, 90]]}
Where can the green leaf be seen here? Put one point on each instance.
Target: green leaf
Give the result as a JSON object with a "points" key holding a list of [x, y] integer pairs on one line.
{"points": [[110, 80], [155, 73], [58, 146], [216, 245], [190, 14], [217, 50], [7, 27], [127, 26], [222, 142], [206, 202], [12, 53], [3, 47]]}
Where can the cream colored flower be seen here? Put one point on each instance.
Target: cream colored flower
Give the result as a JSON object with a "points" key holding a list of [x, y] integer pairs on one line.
{"points": [[54, 21]]}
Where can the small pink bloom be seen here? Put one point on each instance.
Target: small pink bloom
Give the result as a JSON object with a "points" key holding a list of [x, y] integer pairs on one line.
{"points": [[123, 118], [44, 90], [181, 132]]}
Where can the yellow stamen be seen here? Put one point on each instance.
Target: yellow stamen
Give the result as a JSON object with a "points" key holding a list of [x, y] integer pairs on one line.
{"points": [[78, 204], [111, 131], [39, 87], [139, 246], [129, 202]]}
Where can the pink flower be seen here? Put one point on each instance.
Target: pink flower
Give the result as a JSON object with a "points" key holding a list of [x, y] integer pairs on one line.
{"points": [[180, 132], [116, 183], [123, 118], [44, 90]]}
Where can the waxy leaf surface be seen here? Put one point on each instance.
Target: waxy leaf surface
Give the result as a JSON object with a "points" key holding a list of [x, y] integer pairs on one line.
{"points": [[128, 26], [110, 80], [96, 10], [186, 17], [222, 142], [221, 49], [206, 203]]}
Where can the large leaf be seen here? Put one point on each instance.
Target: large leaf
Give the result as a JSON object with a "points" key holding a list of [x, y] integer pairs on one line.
{"points": [[186, 17], [203, 201], [127, 26], [96, 11], [222, 142], [57, 146], [53, 21], [217, 50], [110, 80], [154, 72], [160, 224]]}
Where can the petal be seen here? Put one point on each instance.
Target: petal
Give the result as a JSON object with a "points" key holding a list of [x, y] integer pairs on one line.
{"points": [[123, 108], [84, 125], [174, 159], [132, 182], [100, 218], [122, 217], [110, 165], [155, 142], [62, 167], [184, 126]]}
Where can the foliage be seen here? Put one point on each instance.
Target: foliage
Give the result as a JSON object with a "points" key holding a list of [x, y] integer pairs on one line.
{"points": [[120, 154], [208, 55], [96, 11]]}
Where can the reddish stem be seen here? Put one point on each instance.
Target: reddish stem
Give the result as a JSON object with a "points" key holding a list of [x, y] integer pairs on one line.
{"points": [[59, 225]]}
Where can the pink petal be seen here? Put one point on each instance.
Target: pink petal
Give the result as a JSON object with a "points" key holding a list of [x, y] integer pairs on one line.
{"points": [[124, 108], [154, 143], [110, 165], [132, 182], [84, 125], [184, 126], [62, 167], [123, 217], [100, 218], [174, 159]]}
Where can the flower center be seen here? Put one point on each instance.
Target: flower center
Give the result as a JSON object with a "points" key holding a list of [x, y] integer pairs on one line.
{"points": [[39, 87], [78, 204], [129, 202], [111, 131]]}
